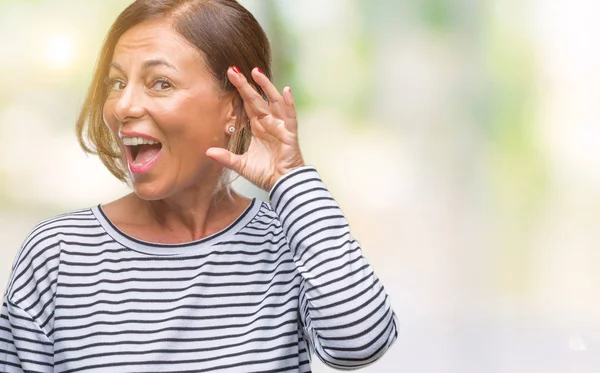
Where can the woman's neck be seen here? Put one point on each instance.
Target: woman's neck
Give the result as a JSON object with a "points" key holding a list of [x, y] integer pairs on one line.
{"points": [[194, 216]]}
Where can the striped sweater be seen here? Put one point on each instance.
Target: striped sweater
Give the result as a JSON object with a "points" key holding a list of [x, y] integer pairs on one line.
{"points": [[283, 281]]}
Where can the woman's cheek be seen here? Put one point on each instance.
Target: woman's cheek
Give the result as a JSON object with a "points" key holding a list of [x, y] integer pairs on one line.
{"points": [[108, 118]]}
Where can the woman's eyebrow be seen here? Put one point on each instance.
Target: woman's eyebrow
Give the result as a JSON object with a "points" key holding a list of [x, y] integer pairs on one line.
{"points": [[147, 65], [156, 62], [118, 67]]}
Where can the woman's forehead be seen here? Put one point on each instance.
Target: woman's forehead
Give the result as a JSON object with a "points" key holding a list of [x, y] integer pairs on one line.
{"points": [[155, 41]]}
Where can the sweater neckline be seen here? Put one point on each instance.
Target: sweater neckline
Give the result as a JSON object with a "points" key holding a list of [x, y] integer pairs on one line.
{"points": [[154, 248]]}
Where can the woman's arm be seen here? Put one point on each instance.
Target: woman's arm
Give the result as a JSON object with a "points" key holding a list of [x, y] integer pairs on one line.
{"points": [[345, 311], [26, 319], [24, 346]]}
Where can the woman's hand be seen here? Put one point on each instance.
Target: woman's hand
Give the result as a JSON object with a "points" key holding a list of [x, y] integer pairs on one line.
{"points": [[274, 149]]}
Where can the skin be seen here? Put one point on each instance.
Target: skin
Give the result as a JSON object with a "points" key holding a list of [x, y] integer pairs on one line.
{"points": [[159, 86]]}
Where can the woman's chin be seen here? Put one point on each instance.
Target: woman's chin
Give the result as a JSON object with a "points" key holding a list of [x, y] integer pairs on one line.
{"points": [[150, 191], [151, 187]]}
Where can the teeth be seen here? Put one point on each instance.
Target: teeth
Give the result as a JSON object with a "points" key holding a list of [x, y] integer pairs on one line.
{"points": [[133, 141]]}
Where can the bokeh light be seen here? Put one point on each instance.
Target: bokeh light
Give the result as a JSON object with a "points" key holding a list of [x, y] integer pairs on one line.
{"points": [[60, 51]]}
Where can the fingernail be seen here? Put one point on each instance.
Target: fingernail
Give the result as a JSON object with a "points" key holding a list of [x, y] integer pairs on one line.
{"points": [[235, 68], [259, 70]]}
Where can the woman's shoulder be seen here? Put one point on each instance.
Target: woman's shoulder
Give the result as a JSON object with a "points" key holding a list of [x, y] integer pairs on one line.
{"points": [[265, 211], [52, 227], [41, 248], [258, 219], [49, 228]]}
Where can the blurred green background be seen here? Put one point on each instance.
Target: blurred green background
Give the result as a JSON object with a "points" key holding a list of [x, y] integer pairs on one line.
{"points": [[460, 137]]}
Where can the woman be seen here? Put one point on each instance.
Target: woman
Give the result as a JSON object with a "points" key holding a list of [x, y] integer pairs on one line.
{"points": [[185, 275]]}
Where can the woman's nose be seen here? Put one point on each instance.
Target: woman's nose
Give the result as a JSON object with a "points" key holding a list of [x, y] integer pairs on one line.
{"points": [[129, 106]]}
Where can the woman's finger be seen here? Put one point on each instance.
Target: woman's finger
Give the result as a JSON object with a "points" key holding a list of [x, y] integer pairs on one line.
{"points": [[226, 158], [254, 102], [269, 128], [269, 88], [290, 110]]}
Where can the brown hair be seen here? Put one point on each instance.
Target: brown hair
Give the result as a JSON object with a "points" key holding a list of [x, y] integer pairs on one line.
{"points": [[225, 33]]}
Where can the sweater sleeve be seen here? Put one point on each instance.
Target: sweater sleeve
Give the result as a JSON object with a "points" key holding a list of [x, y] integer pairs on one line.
{"points": [[26, 318], [345, 312], [24, 347]]}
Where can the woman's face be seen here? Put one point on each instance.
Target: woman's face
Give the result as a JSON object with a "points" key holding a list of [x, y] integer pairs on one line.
{"points": [[165, 110]]}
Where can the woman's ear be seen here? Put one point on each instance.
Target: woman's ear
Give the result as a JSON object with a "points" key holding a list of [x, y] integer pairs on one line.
{"points": [[235, 115]]}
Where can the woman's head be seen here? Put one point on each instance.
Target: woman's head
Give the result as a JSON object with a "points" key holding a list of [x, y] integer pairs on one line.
{"points": [[162, 75]]}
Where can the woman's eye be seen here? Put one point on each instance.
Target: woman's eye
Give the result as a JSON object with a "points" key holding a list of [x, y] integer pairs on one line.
{"points": [[161, 85], [115, 84]]}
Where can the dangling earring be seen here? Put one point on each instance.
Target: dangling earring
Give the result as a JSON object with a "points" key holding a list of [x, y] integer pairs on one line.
{"points": [[231, 129]]}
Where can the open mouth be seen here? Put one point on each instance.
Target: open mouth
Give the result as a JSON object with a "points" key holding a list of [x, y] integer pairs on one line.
{"points": [[141, 152]]}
